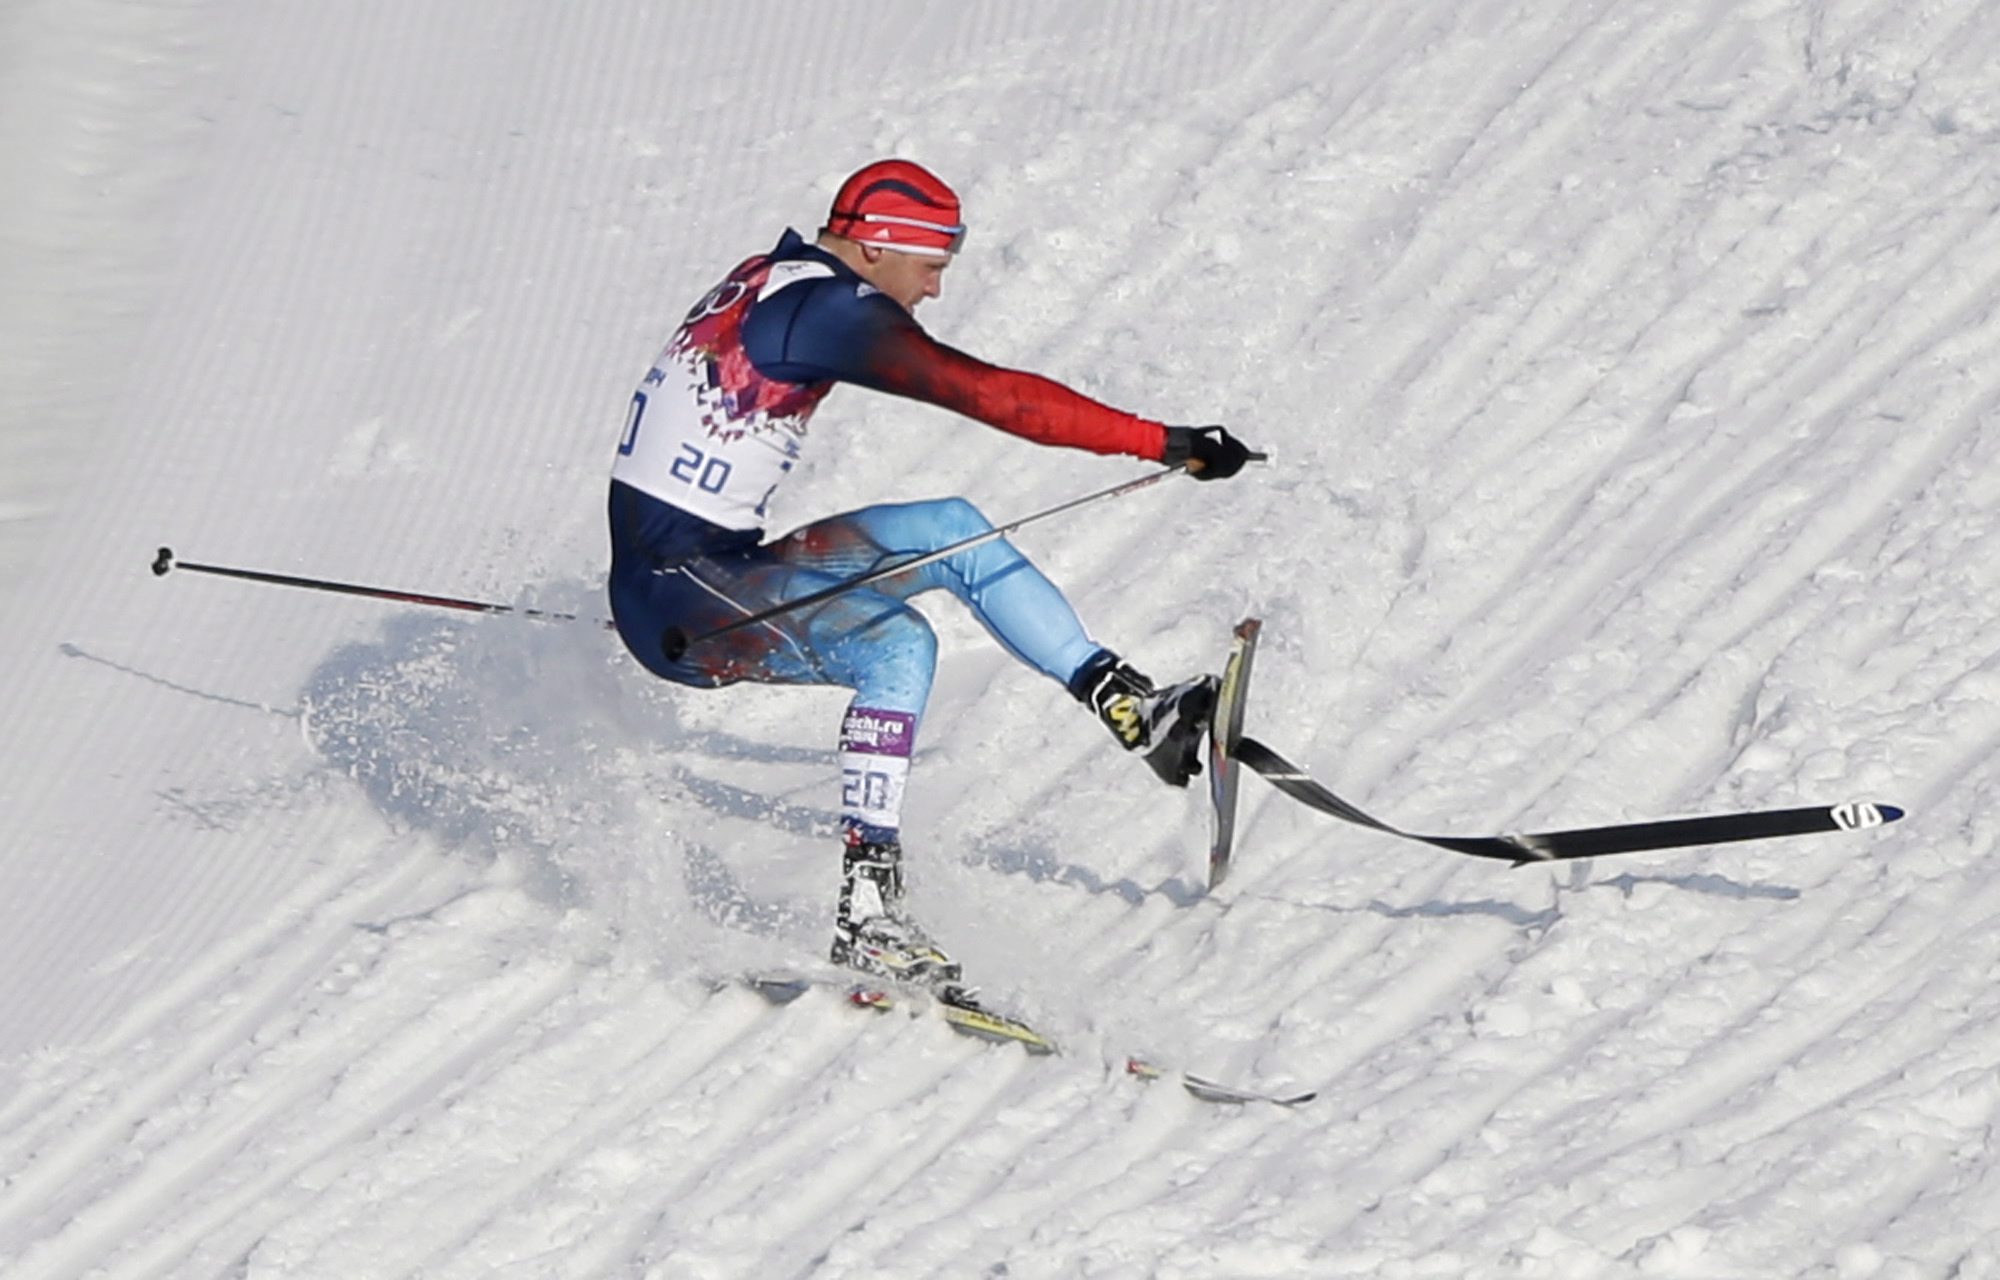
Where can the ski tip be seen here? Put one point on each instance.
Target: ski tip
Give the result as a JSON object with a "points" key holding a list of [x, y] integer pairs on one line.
{"points": [[1860, 815], [1214, 1090], [1232, 1095], [778, 988]]}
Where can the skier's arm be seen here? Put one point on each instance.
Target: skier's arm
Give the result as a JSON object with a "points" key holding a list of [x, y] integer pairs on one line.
{"points": [[906, 361], [824, 329]]}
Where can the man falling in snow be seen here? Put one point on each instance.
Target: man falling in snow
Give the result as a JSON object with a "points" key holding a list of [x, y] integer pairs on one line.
{"points": [[718, 422]]}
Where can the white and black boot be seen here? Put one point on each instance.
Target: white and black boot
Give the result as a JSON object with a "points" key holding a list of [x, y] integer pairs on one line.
{"points": [[1165, 725], [870, 932]]}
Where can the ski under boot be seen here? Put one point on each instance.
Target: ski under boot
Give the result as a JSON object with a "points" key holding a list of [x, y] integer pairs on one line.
{"points": [[1165, 725], [871, 934]]}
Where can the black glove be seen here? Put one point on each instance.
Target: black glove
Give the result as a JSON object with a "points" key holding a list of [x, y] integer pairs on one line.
{"points": [[1219, 454]]}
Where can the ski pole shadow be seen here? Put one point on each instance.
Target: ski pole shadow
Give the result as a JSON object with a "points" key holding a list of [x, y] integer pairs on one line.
{"points": [[1707, 882], [69, 650], [726, 800], [1044, 868], [1511, 912], [729, 746], [217, 805], [715, 891]]}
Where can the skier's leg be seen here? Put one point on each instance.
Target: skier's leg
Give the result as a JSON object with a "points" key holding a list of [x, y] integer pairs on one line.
{"points": [[887, 653], [1022, 610], [874, 644], [1016, 603]]}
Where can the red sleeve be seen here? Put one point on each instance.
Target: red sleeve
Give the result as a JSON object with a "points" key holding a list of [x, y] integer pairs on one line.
{"points": [[906, 361]]}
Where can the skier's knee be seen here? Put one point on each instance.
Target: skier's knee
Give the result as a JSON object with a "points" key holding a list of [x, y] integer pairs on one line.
{"points": [[959, 519], [906, 661], [917, 644]]}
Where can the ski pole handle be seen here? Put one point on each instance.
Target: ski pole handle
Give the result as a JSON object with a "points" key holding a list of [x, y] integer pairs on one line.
{"points": [[1196, 464]]}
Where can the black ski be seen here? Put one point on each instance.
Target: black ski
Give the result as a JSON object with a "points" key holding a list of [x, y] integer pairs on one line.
{"points": [[1585, 842], [1224, 732]]}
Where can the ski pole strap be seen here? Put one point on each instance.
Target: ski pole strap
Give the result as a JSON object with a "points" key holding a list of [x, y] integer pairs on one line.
{"points": [[1586, 842]]}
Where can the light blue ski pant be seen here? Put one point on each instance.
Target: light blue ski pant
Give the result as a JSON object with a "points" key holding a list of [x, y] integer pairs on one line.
{"points": [[868, 639]]}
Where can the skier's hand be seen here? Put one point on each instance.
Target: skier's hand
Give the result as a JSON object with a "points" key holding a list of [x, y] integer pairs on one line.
{"points": [[1212, 451]]}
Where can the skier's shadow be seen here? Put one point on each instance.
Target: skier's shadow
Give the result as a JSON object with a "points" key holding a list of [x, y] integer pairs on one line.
{"points": [[492, 734], [538, 740]]}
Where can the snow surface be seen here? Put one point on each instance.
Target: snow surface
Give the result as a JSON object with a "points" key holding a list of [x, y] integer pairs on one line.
{"points": [[1632, 376]]}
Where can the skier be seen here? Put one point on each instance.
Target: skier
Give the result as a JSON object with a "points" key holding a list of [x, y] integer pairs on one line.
{"points": [[722, 416]]}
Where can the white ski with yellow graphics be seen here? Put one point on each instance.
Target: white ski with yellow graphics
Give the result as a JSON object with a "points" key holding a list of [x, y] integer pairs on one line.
{"points": [[963, 1014]]}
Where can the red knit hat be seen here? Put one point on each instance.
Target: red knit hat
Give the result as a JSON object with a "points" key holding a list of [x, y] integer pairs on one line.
{"points": [[898, 205]]}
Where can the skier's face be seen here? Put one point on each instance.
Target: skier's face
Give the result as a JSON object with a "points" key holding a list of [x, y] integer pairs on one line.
{"points": [[908, 278]]}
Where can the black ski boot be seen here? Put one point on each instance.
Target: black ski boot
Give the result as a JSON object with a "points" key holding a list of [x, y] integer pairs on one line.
{"points": [[870, 932], [1166, 725]]}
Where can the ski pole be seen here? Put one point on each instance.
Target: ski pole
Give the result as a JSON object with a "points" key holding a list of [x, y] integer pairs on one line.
{"points": [[165, 562], [677, 642]]}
